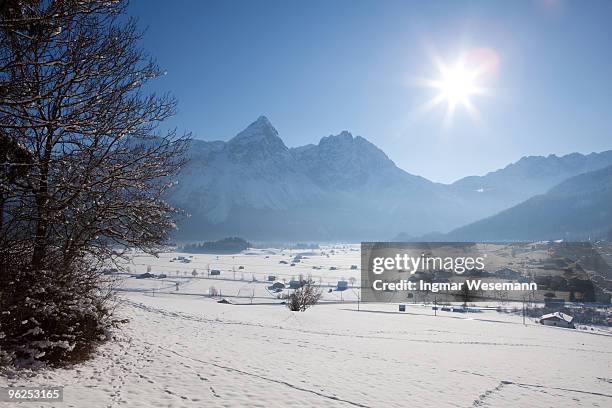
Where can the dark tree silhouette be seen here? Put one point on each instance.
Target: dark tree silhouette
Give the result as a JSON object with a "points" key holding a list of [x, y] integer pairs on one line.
{"points": [[84, 170]]}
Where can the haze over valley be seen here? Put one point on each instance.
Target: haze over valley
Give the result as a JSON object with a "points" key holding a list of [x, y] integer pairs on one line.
{"points": [[346, 188]]}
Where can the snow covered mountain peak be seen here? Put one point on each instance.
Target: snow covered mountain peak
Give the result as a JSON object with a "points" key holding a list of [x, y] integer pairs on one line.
{"points": [[259, 131], [346, 147], [258, 142], [344, 136], [255, 186]]}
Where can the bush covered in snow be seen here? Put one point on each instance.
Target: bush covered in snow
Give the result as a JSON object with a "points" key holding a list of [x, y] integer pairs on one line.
{"points": [[305, 296], [55, 315]]}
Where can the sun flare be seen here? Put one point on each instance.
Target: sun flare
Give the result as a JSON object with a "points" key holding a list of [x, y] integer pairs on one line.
{"points": [[456, 86], [459, 83]]}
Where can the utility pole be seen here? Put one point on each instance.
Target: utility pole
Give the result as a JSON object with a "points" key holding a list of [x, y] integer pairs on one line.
{"points": [[523, 310], [435, 306]]}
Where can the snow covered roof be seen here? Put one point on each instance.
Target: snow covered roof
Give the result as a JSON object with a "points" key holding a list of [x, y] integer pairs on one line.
{"points": [[558, 315]]}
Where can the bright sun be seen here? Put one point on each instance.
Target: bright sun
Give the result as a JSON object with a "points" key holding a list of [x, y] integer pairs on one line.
{"points": [[458, 84], [456, 87]]}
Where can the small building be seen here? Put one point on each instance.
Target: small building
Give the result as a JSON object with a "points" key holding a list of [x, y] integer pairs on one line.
{"points": [[342, 285], [271, 278], [295, 284], [554, 302], [277, 286], [558, 319], [215, 272], [507, 273], [353, 267]]}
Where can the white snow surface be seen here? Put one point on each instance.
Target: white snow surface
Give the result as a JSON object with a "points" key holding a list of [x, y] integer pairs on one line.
{"points": [[183, 349]]}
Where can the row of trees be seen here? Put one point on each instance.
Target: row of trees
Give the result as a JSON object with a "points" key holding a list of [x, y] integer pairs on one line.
{"points": [[83, 170], [232, 245]]}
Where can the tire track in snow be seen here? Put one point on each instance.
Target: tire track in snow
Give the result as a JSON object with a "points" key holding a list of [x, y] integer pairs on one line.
{"points": [[482, 397], [503, 383], [599, 394], [195, 318], [236, 370]]}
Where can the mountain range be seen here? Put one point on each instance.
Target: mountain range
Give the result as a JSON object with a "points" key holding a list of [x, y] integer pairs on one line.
{"points": [[343, 188], [577, 209]]}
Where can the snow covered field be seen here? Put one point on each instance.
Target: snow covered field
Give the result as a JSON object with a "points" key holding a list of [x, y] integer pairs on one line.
{"points": [[182, 349]]}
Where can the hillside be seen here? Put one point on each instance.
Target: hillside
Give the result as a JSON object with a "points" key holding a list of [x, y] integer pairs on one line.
{"points": [[576, 209]]}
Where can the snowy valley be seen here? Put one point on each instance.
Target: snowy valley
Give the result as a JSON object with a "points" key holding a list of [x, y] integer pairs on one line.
{"points": [[182, 348]]}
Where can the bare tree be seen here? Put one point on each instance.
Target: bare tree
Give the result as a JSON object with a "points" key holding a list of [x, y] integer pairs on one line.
{"points": [[85, 169], [305, 296], [465, 294]]}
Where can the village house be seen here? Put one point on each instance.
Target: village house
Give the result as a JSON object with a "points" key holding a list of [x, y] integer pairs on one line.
{"points": [[558, 319]]}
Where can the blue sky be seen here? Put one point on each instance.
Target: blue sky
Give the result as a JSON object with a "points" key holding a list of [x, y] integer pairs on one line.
{"points": [[319, 67]]}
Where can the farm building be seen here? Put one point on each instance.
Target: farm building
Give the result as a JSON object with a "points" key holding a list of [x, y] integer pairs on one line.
{"points": [[507, 273], [558, 319], [277, 286], [554, 302], [295, 284]]}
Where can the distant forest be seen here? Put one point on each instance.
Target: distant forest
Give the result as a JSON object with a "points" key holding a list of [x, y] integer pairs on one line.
{"points": [[231, 245]]}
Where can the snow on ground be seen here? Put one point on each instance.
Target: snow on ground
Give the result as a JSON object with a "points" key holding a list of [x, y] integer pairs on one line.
{"points": [[332, 264], [190, 351]]}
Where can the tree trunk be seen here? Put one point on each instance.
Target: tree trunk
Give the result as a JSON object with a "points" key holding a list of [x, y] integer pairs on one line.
{"points": [[42, 211]]}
